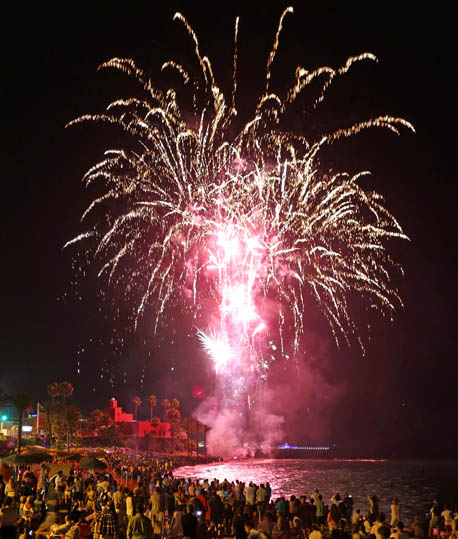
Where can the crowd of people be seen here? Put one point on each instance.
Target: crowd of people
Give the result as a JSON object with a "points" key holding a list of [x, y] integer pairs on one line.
{"points": [[141, 499]]}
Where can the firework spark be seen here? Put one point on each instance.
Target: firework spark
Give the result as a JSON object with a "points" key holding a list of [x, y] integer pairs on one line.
{"points": [[228, 225]]}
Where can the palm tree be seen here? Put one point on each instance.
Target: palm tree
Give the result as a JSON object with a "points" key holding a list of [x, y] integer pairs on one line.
{"points": [[21, 401], [194, 431], [175, 403], [174, 418], [65, 390], [188, 426], [200, 427], [4, 399], [72, 416], [166, 405], [155, 422], [137, 402], [54, 390], [99, 419], [49, 410], [152, 402]]}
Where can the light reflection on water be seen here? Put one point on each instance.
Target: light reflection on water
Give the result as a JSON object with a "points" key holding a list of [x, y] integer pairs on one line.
{"points": [[413, 482]]}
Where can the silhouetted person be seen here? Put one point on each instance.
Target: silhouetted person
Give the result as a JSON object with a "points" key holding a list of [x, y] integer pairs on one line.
{"points": [[189, 523]]}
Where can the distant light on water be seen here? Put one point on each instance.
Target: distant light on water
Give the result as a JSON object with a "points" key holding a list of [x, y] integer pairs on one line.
{"points": [[285, 445]]}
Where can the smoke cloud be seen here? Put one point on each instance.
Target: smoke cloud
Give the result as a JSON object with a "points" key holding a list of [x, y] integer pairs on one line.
{"points": [[233, 434], [299, 402]]}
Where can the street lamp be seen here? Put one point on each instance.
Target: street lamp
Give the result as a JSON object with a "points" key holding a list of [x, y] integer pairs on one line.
{"points": [[4, 417]]}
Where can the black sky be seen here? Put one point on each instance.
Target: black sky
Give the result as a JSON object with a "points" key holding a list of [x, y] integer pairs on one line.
{"points": [[400, 397]]}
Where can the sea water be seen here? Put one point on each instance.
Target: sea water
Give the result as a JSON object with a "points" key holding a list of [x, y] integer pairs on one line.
{"points": [[414, 482]]}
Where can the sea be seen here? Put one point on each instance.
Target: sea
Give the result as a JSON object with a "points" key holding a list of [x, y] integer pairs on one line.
{"points": [[414, 482]]}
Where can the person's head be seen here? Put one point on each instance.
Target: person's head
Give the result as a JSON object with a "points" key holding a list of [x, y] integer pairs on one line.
{"points": [[400, 526], [395, 501], [337, 497], [247, 525]]}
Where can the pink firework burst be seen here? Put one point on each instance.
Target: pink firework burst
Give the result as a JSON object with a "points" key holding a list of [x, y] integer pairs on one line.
{"points": [[222, 220]]}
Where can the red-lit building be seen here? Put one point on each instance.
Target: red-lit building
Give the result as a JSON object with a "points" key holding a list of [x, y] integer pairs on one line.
{"points": [[138, 428]]}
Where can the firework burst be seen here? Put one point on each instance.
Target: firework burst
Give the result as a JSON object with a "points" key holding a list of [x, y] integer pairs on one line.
{"points": [[228, 225]]}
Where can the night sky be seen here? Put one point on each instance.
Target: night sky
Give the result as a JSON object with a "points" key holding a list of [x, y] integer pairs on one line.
{"points": [[398, 399]]}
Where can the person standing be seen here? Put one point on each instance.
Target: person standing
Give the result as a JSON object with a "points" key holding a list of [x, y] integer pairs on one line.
{"points": [[107, 526], [238, 524], [261, 498], [374, 501], [447, 515], [320, 518], [189, 523], [140, 527], [10, 489], [129, 505], [268, 492], [395, 512], [250, 494], [435, 514], [120, 504]]}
